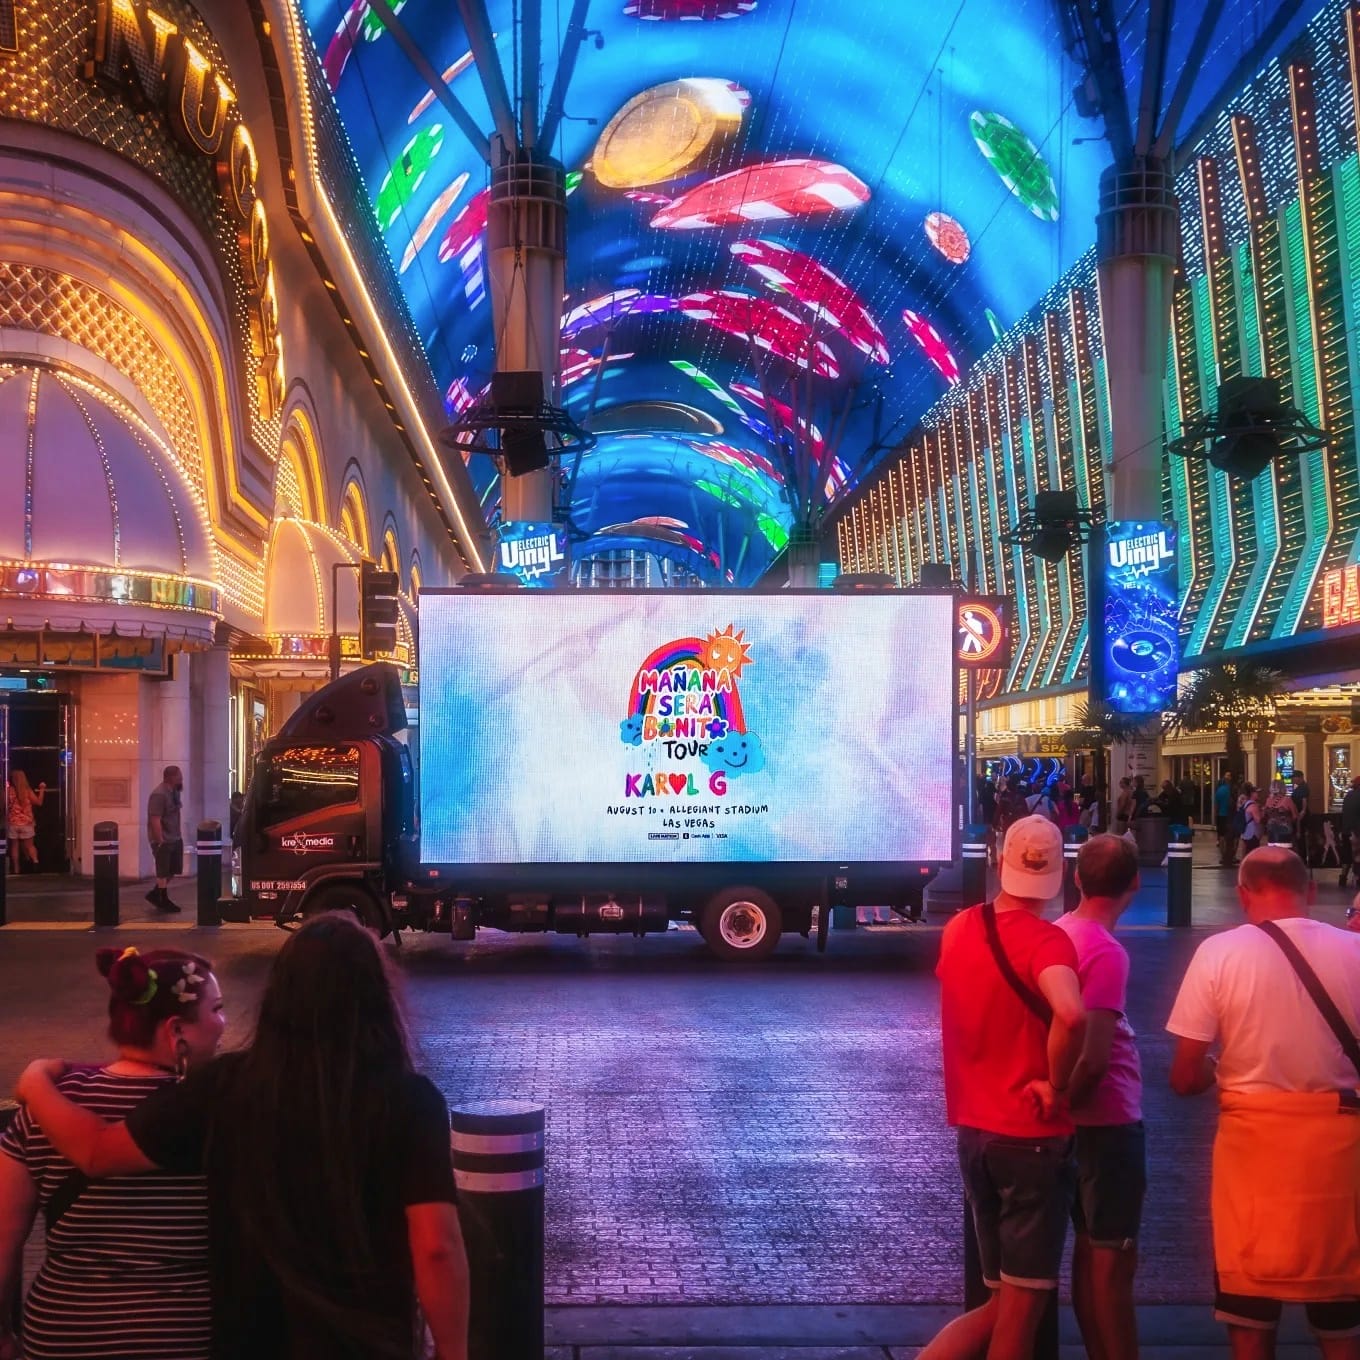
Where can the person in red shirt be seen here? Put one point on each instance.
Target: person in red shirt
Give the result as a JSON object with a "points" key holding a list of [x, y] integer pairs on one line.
{"points": [[1012, 1025]]}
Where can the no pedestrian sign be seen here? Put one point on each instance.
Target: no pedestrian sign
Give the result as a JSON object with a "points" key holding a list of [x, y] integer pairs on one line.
{"points": [[983, 641]]}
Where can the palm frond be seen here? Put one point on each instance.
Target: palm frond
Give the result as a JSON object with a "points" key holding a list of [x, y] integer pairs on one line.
{"points": [[1238, 696]]}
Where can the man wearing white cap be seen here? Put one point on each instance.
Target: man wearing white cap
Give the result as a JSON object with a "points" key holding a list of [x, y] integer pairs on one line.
{"points": [[1012, 1023]]}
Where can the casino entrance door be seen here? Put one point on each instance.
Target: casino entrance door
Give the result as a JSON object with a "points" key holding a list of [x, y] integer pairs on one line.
{"points": [[37, 736]]}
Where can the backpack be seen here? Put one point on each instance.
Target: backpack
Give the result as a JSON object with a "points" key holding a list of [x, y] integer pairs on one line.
{"points": [[1237, 823]]}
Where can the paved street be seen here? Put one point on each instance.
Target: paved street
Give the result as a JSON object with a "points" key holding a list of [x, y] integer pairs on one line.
{"points": [[761, 1136]]}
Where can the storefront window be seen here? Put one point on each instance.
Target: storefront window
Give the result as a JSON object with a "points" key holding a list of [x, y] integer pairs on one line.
{"points": [[1338, 775], [1284, 762]]}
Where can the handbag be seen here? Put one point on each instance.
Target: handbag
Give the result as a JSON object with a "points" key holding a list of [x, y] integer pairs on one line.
{"points": [[1312, 984], [1034, 1003]]}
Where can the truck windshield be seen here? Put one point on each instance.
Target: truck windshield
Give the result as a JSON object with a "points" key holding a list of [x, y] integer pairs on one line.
{"points": [[299, 780]]}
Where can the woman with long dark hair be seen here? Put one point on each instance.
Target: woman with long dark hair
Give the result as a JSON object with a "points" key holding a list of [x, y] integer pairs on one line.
{"points": [[125, 1272], [330, 1185]]}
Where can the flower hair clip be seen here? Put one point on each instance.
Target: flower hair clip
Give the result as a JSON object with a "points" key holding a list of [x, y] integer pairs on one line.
{"points": [[190, 979]]}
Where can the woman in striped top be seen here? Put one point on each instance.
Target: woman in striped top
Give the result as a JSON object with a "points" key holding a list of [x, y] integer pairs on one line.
{"points": [[333, 1227], [126, 1271]]}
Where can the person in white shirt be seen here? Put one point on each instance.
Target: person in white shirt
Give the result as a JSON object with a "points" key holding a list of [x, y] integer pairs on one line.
{"points": [[1286, 1172]]}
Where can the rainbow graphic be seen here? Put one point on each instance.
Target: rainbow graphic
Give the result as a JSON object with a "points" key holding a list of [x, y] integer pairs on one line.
{"points": [[696, 654]]}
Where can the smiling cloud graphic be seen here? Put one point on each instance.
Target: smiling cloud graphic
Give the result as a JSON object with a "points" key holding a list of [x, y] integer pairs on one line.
{"points": [[735, 754]]}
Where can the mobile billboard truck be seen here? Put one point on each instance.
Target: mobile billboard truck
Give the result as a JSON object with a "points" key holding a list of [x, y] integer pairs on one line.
{"points": [[615, 761]]}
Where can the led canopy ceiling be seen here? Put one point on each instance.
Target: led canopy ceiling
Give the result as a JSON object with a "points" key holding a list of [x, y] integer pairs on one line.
{"points": [[792, 225]]}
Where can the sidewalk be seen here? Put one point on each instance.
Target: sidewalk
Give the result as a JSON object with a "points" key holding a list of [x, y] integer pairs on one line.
{"points": [[849, 1333], [65, 902]]}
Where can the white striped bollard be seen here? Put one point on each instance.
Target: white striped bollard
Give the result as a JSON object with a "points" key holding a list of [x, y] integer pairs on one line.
{"points": [[1179, 854], [973, 851], [1073, 839], [209, 873], [498, 1168], [106, 873]]}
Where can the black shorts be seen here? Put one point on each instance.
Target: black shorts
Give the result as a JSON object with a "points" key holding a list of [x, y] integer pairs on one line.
{"points": [[1326, 1320], [1020, 1193], [169, 858], [1111, 1183], [1223, 826]]}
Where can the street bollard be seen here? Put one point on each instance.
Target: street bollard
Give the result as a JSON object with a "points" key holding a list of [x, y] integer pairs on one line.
{"points": [[1073, 839], [106, 873], [1179, 862], [209, 873], [498, 1169], [973, 851], [4, 868]]}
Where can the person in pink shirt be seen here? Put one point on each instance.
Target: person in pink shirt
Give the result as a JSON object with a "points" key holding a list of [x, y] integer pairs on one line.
{"points": [[1106, 1094]]}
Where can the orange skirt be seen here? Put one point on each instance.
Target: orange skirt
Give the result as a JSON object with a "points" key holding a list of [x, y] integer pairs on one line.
{"points": [[1286, 1197]]}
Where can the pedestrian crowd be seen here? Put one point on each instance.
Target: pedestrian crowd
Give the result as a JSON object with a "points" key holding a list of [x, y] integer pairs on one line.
{"points": [[1044, 1087]]}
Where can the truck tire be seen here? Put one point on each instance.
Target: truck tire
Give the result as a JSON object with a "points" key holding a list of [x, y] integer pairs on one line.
{"points": [[741, 923], [348, 895]]}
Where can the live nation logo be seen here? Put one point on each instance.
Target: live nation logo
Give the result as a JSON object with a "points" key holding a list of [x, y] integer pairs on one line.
{"points": [[302, 844]]}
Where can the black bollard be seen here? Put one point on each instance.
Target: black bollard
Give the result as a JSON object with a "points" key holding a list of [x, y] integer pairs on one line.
{"points": [[1073, 839], [1179, 853], [209, 873], [974, 856], [106, 873], [4, 869], [498, 1168]]}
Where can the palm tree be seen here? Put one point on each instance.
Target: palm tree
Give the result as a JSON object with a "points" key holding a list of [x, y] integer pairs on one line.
{"points": [[1098, 728], [1236, 698]]}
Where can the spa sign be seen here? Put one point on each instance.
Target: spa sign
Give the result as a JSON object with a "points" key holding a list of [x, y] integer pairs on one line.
{"points": [[139, 51]]}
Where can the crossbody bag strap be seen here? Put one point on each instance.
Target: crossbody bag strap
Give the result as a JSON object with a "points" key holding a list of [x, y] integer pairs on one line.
{"points": [[1033, 1001], [1312, 984]]}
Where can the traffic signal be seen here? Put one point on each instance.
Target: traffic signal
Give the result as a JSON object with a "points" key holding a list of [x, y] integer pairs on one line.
{"points": [[378, 610]]}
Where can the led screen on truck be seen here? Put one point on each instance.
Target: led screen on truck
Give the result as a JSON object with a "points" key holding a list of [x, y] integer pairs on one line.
{"points": [[685, 727]]}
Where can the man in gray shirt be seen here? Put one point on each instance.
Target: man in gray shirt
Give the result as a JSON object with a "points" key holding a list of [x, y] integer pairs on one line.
{"points": [[163, 831]]}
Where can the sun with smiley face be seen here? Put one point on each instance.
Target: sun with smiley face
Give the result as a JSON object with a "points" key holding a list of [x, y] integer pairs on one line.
{"points": [[725, 651]]}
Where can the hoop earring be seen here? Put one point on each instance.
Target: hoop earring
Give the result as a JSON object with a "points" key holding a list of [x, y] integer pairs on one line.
{"points": [[181, 1059]]}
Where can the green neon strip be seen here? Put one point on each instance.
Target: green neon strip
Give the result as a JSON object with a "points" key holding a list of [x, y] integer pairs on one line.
{"points": [[964, 546], [1078, 651], [1265, 504], [1347, 176], [1040, 575], [1103, 412], [1180, 481], [998, 548], [1317, 514], [1021, 623], [1220, 497], [979, 572]]}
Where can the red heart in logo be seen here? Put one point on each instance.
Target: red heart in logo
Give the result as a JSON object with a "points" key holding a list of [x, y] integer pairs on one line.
{"points": [[678, 782]]}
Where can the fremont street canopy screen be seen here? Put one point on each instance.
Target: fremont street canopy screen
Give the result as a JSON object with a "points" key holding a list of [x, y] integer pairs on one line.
{"points": [[685, 728]]}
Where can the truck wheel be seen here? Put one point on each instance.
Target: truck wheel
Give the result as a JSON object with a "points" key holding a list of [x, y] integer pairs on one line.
{"points": [[349, 896], [741, 923]]}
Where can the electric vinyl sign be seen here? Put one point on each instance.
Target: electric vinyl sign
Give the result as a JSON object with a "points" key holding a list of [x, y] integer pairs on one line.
{"points": [[685, 728], [1139, 644]]}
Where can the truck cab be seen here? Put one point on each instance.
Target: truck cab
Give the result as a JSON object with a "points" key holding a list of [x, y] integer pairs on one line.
{"points": [[329, 818]]}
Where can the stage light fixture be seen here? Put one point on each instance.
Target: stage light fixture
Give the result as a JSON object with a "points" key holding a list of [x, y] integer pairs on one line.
{"points": [[1253, 426], [936, 575], [515, 423], [1054, 526]]}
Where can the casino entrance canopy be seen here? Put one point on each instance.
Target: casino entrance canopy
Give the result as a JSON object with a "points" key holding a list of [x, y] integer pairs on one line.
{"points": [[781, 211]]}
